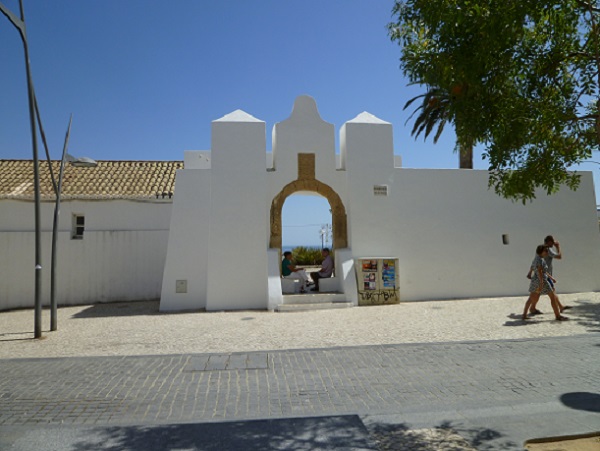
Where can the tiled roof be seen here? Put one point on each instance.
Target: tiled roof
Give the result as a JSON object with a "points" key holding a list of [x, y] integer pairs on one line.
{"points": [[142, 180]]}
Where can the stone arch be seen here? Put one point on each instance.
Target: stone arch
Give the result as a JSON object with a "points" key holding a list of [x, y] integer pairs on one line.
{"points": [[338, 211]]}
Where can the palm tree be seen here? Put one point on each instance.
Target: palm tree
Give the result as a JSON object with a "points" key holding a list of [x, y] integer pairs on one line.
{"points": [[435, 111]]}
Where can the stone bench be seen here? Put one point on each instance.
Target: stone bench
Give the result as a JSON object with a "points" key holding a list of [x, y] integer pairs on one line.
{"points": [[329, 285], [326, 285], [290, 286]]}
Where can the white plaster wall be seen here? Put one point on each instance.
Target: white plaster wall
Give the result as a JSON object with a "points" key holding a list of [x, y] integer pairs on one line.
{"points": [[367, 142], [274, 286], [121, 256], [446, 228], [99, 215], [237, 251], [187, 254], [366, 147], [196, 159], [304, 132], [344, 270], [220, 224]]}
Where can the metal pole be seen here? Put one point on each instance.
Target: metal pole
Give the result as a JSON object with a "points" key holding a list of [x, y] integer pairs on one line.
{"points": [[53, 303], [20, 25], [45, 143], [36, 183]]}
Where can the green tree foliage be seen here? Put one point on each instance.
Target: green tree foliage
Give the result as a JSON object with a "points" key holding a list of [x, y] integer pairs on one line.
{"points": [[520, 78], [307, 255], [434, 111]]}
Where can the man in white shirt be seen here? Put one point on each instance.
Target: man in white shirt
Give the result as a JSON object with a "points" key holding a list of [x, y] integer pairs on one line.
{"points": [[552, 254], [326, 269]]}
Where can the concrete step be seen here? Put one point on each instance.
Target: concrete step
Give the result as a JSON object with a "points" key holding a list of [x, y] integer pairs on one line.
{"points": [[307, 307], [313, 298], [312, 301]]}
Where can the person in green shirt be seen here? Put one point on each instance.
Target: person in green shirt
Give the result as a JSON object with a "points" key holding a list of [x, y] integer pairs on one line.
{"points": [[290, 271]]}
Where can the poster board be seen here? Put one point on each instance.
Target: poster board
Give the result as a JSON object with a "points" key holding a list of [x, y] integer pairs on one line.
{"points": [[377, 280]]}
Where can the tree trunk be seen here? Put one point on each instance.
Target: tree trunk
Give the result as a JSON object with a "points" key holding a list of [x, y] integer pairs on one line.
{"points": [[465, 157]]}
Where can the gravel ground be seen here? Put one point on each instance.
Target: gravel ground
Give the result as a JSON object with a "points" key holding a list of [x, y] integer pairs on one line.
{"points": [[137, 328]]}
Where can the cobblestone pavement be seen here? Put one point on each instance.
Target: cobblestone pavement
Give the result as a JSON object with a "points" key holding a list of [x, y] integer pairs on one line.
{"points": [[494, 393], [368, 380]]}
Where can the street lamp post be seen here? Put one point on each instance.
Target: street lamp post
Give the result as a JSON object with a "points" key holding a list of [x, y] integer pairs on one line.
{"points": [[53, 303], [79, 162], [20, 25], [325, 233]]}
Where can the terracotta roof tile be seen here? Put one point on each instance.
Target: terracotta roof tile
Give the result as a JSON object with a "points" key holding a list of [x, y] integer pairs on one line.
{"points": [[108, 180]]}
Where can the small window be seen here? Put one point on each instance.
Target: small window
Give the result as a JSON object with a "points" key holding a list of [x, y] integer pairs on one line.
{"points": [[505, 240], [77, 227]]}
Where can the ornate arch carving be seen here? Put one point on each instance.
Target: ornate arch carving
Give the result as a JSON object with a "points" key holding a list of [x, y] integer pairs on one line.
{"points": [[338, 211]]}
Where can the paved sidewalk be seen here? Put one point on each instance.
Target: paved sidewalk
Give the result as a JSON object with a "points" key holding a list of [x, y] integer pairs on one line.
{"points": [[493, 394], [137, 328], [461, 394]]}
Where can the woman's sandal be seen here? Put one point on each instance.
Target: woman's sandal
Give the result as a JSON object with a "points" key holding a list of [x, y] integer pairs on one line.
{"points": [[561, 318], [566, 307], [536, 312]]}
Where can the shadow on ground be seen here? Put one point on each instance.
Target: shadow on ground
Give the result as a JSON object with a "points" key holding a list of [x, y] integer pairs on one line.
{"points": [[322, 433], [447, 436], [589, 402], [333, 433], [112, 309], [587, 314], [517, 320], [18, 336], [583, 311], [128, 308]]}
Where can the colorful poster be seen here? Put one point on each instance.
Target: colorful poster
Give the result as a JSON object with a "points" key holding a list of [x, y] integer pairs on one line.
{"points": [[377, 281], [388, 274], [369, 265]]}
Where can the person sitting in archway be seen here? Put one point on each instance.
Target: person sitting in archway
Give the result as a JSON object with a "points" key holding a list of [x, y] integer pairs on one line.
{"points": [[290, 271], [325, 271]]}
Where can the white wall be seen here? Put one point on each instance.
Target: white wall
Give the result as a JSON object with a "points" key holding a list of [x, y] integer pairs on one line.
{"points": [[221, 215], [187, 253], [219, 229], [444, 226], [237, 266], [99, 215], [121, 256], [304, 132]]}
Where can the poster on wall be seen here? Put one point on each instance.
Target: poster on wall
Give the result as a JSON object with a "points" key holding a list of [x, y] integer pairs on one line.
{"points": [[377, 280]]}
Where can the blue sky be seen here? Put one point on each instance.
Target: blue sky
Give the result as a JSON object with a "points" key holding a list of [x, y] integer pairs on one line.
{"points": [[145, 78]]}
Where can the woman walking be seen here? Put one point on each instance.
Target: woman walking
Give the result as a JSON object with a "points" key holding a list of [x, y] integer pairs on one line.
{"points": [[542, 283]]}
